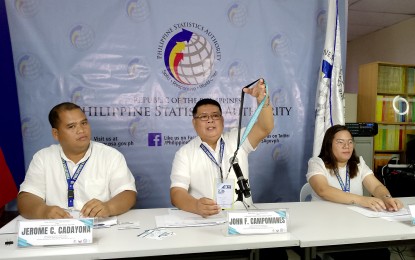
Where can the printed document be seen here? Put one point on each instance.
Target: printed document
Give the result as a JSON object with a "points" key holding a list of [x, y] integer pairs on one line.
{"points": [[380, 214], [180, 218]]}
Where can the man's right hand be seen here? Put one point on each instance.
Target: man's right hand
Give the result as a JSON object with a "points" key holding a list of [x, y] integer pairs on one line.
{"points": [[33, 207], [204, 207], [54, 212], [207, 207]]}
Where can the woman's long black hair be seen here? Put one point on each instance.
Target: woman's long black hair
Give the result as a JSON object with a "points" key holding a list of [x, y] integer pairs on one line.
{"points": [[326, 153]]}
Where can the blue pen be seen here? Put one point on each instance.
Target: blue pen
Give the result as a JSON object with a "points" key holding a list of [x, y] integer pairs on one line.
{"points": [[145, 233], [100, 226]]}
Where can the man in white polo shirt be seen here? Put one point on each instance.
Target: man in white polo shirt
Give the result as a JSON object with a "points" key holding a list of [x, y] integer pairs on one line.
{"points": [[76, 174], [204, 162]]}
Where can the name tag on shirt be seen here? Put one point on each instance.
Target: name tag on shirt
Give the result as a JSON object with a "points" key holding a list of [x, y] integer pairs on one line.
{"points": [[225, 192]]}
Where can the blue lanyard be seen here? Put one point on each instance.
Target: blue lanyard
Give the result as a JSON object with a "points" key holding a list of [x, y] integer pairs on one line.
{"points": [[212, 158], [71, 180], [251, 121], [345, 188]]}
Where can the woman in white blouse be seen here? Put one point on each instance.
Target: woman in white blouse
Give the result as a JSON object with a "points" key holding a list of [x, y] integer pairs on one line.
{"points": [[338, 175]]}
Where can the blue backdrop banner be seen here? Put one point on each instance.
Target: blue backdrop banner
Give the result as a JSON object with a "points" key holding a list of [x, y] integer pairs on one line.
{"points": [[137, 68]]}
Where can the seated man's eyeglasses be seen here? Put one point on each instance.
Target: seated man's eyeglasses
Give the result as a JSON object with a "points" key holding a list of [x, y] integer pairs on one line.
{"points": [[205, 117]]}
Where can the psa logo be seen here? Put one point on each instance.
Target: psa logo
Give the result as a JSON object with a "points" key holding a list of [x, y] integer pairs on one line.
{"points": [[189, 55], [189, 58], [223, 188], [154, 139]]}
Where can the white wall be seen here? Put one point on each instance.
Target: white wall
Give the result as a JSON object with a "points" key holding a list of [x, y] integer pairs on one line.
{"points": [[394, 44]]}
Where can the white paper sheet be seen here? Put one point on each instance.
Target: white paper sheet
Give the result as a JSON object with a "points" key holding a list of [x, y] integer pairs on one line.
{"points": [[98, 222], [180, 218], [379, 214]]}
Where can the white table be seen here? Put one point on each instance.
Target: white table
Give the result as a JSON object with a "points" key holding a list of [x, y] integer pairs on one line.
{"points": [[113, 243], [326, 226], [315, 226]]}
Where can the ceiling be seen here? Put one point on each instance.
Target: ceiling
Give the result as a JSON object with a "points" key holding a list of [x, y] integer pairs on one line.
{"points": [[368, 16]]}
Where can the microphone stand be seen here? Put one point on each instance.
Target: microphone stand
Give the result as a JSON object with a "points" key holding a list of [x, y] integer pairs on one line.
{"points": [[240, 121], [240, 192], [241, 199]]}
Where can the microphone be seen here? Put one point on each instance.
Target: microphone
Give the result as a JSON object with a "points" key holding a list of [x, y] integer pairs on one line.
{"points": [[242, 182]]}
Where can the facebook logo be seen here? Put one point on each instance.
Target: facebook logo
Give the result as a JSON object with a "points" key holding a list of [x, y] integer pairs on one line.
{"points": [[154, 139]]}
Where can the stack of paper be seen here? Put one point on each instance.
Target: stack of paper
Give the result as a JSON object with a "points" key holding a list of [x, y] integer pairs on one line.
{"points": [[105, 222], [98, 222], [179, 218], [403, 212]]}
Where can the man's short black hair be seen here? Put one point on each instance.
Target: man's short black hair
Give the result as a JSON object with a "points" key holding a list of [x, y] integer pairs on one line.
{"points": [[206, 101], [54, 113]]}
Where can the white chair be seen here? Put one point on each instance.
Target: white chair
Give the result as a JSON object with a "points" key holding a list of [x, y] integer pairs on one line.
{"points": [[305, 193]]}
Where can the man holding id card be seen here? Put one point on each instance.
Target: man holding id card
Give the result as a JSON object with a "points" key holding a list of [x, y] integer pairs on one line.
{"points": [[202, 179]]}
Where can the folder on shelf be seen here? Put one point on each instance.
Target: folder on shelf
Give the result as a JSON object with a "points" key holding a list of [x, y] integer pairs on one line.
{"points": [[379, 108], [410, 80], [391, 79]]}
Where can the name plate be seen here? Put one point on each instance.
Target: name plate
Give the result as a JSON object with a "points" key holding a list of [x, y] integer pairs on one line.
{"points": [[412, 211], [54, 232], [258, 222]]}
